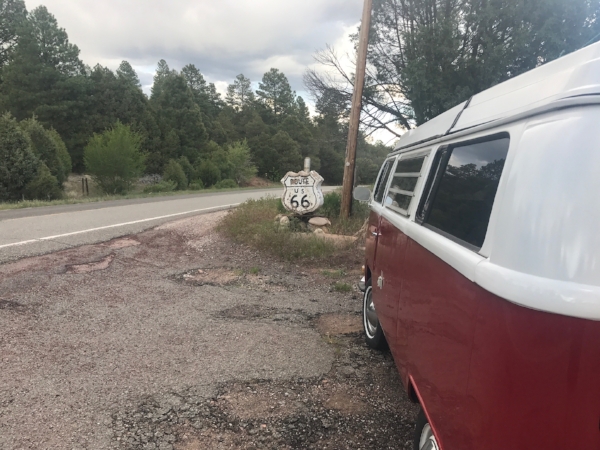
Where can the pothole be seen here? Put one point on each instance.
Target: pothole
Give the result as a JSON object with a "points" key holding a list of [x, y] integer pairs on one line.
{"points": [[339, 324], [216, 277], [94, 266]]}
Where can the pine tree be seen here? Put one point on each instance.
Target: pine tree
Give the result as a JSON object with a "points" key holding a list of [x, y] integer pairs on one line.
{"points": [[240, 94], [275, 93]]}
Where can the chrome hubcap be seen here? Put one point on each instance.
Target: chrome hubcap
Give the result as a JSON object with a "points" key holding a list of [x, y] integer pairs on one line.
{"points": [[427, 441], [370, 320]]}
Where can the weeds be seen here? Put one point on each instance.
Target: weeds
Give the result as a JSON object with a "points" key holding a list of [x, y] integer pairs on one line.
{"points": [[334, 273], [342, 287], [252, 223]]}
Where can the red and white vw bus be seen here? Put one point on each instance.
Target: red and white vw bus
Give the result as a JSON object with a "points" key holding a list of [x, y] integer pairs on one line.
{"points": [[482, 269]]}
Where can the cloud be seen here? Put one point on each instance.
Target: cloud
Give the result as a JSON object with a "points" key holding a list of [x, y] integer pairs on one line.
{"points": [[222, 38]]}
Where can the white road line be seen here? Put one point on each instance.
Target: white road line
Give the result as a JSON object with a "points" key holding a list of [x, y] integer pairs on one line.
{"points": [[48, 238]]}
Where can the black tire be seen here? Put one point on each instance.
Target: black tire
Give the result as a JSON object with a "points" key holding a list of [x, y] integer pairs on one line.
{"points": [[374, 336], [430, 442]]}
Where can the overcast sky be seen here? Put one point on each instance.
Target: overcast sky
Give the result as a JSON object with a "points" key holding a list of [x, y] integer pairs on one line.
{"points": [[222, 38]]}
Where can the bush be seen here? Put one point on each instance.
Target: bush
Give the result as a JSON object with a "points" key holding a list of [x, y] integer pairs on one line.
{"points": [[174, 172], [18, 163], [163, 186], [114, 159], [188, 169], [226, 184], [44, 146], [62, 152], [332, 203], [44, 186], [196, 185], [208, 172], [240, 160]]}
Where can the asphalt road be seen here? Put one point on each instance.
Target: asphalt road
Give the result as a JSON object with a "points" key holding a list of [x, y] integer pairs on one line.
{"points": [[35, 231]]}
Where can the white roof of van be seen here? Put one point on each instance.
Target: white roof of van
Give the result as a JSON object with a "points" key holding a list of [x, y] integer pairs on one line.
{"points": [[573, 75]]}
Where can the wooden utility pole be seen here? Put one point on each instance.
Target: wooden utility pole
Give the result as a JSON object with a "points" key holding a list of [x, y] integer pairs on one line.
{"points": [[359, 84]]}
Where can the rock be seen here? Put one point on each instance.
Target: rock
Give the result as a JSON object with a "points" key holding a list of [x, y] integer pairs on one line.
{"points": [[319, 221], [318, 231], [284, 221], [278, 217]]}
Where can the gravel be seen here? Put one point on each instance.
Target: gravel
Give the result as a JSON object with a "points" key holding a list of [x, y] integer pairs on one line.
{"points": [[176, 338]]}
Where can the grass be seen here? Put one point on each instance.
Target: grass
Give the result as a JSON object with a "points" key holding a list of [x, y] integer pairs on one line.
{"points": [[334, 273], [342, 287], [254, 270], [253, 223], [73, 195]]}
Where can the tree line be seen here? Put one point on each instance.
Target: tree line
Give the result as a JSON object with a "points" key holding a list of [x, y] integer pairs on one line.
{"points": [[183, 126]]}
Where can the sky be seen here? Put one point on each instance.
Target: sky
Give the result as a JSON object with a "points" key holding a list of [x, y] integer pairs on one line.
{"points": [[222, 38]]}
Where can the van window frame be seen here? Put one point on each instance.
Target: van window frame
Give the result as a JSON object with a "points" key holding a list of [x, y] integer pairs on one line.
{"points": [[391, 160], [432, 185], [425, 153]]}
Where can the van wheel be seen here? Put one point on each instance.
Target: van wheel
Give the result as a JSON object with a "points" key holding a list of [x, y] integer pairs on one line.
{"points": [[424, 438], [373, 333]]}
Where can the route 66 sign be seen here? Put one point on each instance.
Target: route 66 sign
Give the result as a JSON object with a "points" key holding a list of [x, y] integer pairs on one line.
{"points": [[302, 192]]}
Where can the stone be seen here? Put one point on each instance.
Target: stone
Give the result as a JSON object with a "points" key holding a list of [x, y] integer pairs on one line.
{"points": [[278, 217], [318, 231], [319, 221]]}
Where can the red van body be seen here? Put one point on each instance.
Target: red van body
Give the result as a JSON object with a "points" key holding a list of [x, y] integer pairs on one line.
{"points": [[500, 342]]}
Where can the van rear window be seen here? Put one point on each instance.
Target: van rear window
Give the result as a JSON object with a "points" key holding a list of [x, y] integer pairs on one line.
{"points": [[461, 201]]}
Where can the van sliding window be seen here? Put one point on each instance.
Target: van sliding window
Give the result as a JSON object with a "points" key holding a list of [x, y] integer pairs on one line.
{"points": [[460, 201], [404, 182]]}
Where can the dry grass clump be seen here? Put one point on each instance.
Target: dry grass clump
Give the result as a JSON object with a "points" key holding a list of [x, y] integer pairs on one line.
{"points": [[253, 223]]}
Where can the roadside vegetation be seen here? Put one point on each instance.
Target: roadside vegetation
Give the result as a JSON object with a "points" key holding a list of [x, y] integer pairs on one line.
{"points": [[252, 223], [60, 116]]}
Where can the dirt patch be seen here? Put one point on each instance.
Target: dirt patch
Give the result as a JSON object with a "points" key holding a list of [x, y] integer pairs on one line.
{"points": [[346, 402], [94, 266], [339, 324], [262, 401], [258, 182], [12, 306], [214, 277]]}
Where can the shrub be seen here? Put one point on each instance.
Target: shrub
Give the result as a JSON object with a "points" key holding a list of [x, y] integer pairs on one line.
{"points": [[196, 185], [44, 186], [208, 172], [332, 202], [18, 163], [62, 152], [44, 146], [174, 172], [163, 186], [240, 160], [188, 169], [114, 160], [226, 184]]}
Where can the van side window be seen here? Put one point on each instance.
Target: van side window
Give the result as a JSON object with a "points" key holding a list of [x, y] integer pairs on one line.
{"points": [[404, 182], [382, 181], [460, 202]]}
